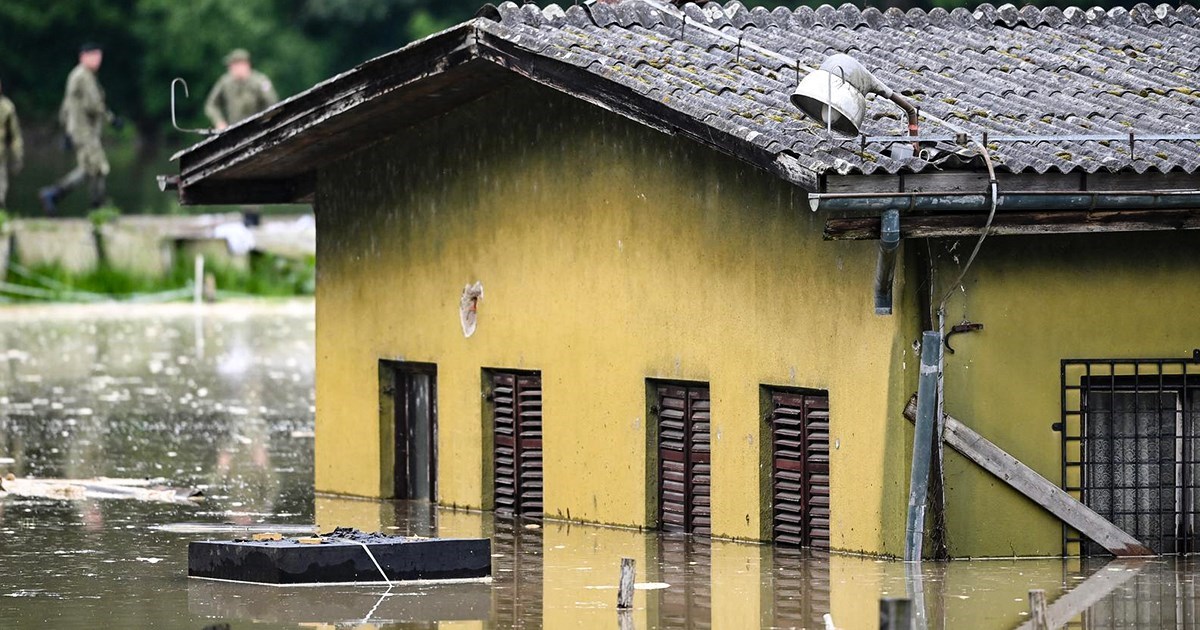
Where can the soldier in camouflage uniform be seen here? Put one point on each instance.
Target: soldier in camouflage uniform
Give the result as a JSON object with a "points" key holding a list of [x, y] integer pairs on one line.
{"points": [[239, 93], [12, 148], [83, 114]]}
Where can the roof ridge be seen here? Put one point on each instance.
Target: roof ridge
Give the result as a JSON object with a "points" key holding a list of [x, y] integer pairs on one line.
{"points": [[985, 15]]}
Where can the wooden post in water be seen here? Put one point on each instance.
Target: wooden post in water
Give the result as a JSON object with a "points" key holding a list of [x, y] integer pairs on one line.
{"points": [[198, 281], [895, 614], [625, 590], [1038, 616]]}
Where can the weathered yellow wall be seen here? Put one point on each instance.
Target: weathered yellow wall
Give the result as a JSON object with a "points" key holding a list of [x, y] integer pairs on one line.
{"points": [[1041, 300], [609, 254]]}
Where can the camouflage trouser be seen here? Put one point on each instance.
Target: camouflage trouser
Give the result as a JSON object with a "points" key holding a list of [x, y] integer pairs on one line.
{"points": [[3, 183], [91, 166]]}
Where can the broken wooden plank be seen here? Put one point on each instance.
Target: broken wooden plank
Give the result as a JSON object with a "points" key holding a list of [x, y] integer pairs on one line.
{"points": [[1039, 489], [1087, 593], [1014, 223]]}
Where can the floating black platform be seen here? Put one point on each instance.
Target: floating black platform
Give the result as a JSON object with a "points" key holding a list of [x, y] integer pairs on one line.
{"points": [[340, 558]]}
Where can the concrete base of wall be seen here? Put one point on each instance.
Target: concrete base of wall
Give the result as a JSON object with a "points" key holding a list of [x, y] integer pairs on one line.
{"points": [[68, 243], [148, 245]]}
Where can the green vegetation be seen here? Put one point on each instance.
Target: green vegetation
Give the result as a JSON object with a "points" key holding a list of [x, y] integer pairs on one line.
{"points": [[103, 216], [149, 42], [267, 275]]}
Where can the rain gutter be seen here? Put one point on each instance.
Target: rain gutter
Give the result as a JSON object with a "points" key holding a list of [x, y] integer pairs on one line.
{"points": [[935, 202], [890, 205]]}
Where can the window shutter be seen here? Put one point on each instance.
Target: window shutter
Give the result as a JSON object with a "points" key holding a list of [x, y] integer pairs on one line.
{"points": [[529, 437], [517, 440], [685, 470], [800, 452]]}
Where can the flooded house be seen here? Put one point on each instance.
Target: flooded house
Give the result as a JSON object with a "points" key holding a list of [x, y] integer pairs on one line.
{"points": [[650, 266]]}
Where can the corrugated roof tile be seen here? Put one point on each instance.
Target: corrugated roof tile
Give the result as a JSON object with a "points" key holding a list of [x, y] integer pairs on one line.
{"points": [[1000, 70]]}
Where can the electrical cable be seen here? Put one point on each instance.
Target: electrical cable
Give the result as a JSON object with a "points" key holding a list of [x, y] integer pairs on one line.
{"points": [[372, 557]]}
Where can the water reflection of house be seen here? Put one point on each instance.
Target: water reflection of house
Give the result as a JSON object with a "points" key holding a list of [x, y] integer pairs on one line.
{"points": [[655, 330]]}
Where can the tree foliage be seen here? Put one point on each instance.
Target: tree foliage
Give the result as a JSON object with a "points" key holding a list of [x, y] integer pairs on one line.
{"points": [[149, 42]]}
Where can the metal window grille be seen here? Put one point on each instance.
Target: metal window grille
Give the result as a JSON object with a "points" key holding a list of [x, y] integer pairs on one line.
{"points": [[800, 468], [1130, 448], [684, 464], [517, 443]]}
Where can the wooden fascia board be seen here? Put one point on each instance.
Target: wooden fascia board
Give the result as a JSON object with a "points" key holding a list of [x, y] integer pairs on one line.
{"points": [[1016, 223], [221, 192], [975, 181], [336, 96]]}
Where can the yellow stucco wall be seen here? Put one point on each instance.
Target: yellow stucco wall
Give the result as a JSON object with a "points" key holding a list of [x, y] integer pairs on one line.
{"points": [[609, 254], [1041, 300]]}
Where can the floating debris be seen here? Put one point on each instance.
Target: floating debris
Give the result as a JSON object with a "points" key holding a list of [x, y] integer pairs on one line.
{"points": [[100, 488], [342, 556]]}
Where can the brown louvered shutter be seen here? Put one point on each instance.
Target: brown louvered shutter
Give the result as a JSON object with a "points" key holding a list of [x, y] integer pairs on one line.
{"points": [[800, 452], [517, 439], [685, 469]]}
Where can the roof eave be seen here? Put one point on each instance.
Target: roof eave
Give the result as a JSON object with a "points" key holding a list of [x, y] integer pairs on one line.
{"points": [[215, 171], [205, 169]]}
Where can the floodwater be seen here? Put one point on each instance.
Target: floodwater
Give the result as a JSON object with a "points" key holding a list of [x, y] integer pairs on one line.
{"points": [[222, 399]]}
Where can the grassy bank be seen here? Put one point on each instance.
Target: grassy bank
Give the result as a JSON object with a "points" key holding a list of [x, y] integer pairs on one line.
{"points": [[265, 275]]}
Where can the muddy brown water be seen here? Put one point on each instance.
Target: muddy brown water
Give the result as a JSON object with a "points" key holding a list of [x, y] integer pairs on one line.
{"points": [[222, 399]]}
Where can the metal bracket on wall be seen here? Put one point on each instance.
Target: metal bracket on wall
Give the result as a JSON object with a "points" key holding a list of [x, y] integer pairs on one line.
{"points": [[960, 328]]}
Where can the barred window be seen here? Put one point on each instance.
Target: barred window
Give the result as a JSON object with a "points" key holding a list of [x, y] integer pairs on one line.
{"points": [[1131, 448]]}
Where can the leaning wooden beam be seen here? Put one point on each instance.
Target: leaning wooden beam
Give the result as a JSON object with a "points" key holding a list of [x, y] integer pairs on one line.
{"points": [[1009, 223], [1040, 490], [1099, 585]]}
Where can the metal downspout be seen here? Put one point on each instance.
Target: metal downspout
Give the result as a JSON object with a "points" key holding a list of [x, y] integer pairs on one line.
{"points": [[885, 268], [926, 424]]}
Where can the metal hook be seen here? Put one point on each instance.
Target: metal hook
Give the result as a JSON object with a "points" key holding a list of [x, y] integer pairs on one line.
{"points": [[174, 123]]}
